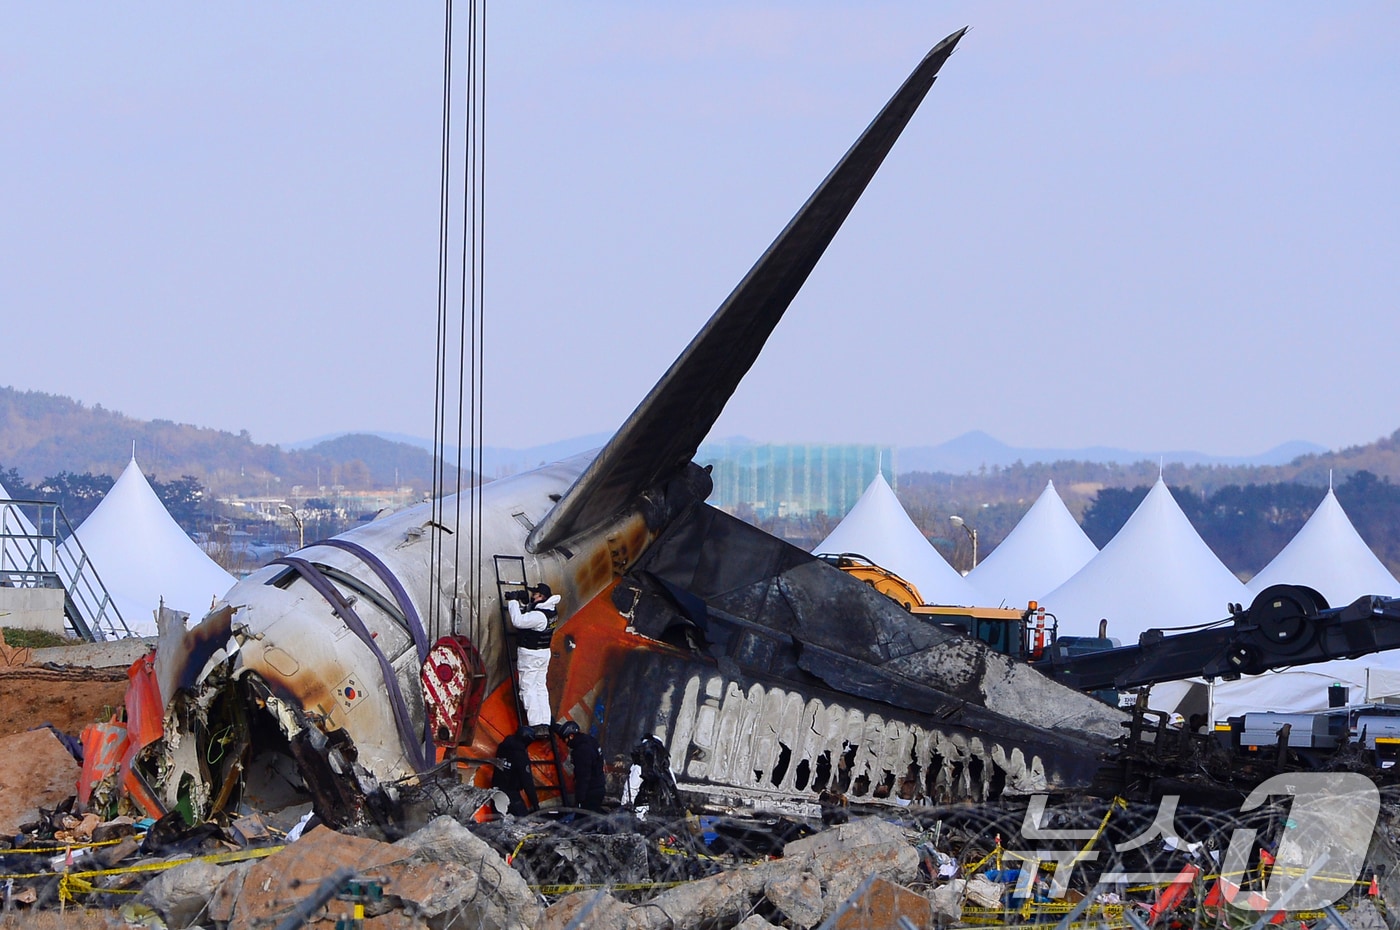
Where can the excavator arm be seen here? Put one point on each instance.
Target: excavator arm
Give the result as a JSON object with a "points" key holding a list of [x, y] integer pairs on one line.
{"points": [[1286, 625]]}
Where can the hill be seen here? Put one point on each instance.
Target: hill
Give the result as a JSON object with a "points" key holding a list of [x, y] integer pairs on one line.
{"points": [[975, 450], [496, 461], [45, 434]]}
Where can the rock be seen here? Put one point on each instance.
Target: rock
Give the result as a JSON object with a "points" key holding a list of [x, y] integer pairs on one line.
{"points": [[798, 897], [222, 902], [605, 913], [725, 895], [181, 895], [35, 771], [417, 889], [983, 892], [881, 903], [846, 855], [442, 894], [274, 886], [1364, 915], [507, 901], [946, 901], [754, 922], [866, 845]]}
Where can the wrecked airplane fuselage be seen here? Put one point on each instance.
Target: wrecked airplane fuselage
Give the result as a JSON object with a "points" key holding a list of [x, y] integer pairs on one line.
{"points": [[758, 667], [769, 674], [766, 673]]}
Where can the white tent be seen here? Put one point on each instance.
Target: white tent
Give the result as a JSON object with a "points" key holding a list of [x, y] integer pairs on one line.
{"points": [[878, 528], [1329, 556], [142, 555], [1044, 550], [1156, 572]]}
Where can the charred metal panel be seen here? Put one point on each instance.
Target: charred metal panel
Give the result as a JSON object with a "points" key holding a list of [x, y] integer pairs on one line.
{"points": [[843, 633], [749, 736]]}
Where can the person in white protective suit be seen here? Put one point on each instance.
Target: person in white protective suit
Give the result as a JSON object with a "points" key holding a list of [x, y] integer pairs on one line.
{"points": [[534, 627]]}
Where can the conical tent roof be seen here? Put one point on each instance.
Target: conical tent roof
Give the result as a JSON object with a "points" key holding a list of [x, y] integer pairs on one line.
{"points": [[878, 528], [1156, 572], [1329, 556], [1041, 553], [142, 555]]}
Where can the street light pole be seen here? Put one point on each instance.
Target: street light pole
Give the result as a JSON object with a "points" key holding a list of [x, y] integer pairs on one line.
{"points": [[971, 534], [296, 518]]}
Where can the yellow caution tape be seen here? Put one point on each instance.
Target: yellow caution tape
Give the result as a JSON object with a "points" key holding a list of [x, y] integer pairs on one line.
{"points": [[39, 850], [636, 886], [216, 858]]}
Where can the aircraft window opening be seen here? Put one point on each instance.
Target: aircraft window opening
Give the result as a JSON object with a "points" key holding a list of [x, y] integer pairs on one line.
{"points": [[800, 776], [931, 776], [912, 778], [360, 588], [823, 774], [284, 578], [784, 759], [998, 786], [883, 789], [975, 767], [848, 759]]}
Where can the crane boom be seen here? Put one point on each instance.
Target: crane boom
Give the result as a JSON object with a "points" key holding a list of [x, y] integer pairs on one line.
{"points": [[1286, 625]]}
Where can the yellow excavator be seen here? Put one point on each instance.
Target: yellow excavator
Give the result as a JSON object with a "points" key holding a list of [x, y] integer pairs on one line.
{"points": [[1022, 634]]}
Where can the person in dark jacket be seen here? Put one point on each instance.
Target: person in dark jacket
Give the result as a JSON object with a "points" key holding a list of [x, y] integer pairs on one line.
{"points": [[588, 766], [514, 776]]}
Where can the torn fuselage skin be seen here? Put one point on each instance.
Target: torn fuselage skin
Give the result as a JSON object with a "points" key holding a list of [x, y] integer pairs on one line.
{"points": [[770, 675], [331, 640]]}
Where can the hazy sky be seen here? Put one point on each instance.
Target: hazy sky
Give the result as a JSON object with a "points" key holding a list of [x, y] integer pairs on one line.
{"points": [[1146, 225]]}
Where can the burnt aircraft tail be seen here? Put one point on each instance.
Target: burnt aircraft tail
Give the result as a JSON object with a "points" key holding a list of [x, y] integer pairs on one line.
{"points": [[666, 429]]}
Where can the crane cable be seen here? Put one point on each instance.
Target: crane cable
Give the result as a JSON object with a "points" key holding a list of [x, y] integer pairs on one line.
{"points": [[440, 348], [468, 327], [473, 308]]}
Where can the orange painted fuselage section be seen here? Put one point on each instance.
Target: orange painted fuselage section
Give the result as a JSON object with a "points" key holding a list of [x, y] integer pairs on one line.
{"points": [[586, 651]]}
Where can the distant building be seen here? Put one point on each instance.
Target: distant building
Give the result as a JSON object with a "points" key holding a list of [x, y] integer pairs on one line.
{"points": [[796, 480]]}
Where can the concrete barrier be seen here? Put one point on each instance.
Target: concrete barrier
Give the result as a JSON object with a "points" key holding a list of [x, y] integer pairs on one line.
{"points": [[116, 652]]}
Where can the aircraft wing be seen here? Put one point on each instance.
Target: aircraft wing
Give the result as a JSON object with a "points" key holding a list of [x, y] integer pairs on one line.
{"points": [[666, 429]]}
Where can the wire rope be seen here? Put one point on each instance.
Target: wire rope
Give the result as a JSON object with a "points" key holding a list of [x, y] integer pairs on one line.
{"points": [[440, 347], [464, 375]]}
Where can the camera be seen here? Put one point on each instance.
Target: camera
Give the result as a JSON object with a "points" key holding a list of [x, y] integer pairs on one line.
{"points": [[521, 596]]}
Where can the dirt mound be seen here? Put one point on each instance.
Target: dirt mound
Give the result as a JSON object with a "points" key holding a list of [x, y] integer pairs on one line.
{"points": [[68, 698]]}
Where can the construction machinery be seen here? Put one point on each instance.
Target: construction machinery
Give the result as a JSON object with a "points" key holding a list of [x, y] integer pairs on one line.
{"points": [[1020, 633]]}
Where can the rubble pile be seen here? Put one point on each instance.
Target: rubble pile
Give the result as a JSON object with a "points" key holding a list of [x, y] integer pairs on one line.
{"points": [[450, 856], [932, 868]]}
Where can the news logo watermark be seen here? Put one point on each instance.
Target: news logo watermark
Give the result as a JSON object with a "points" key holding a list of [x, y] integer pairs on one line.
{"points": [[1318, 855]]}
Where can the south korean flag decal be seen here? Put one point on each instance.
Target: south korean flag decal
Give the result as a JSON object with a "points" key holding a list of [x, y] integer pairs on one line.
{"points": [[349, 693]]}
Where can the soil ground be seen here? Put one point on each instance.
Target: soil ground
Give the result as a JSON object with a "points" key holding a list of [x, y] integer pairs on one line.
{"points": [[70, 698]]}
